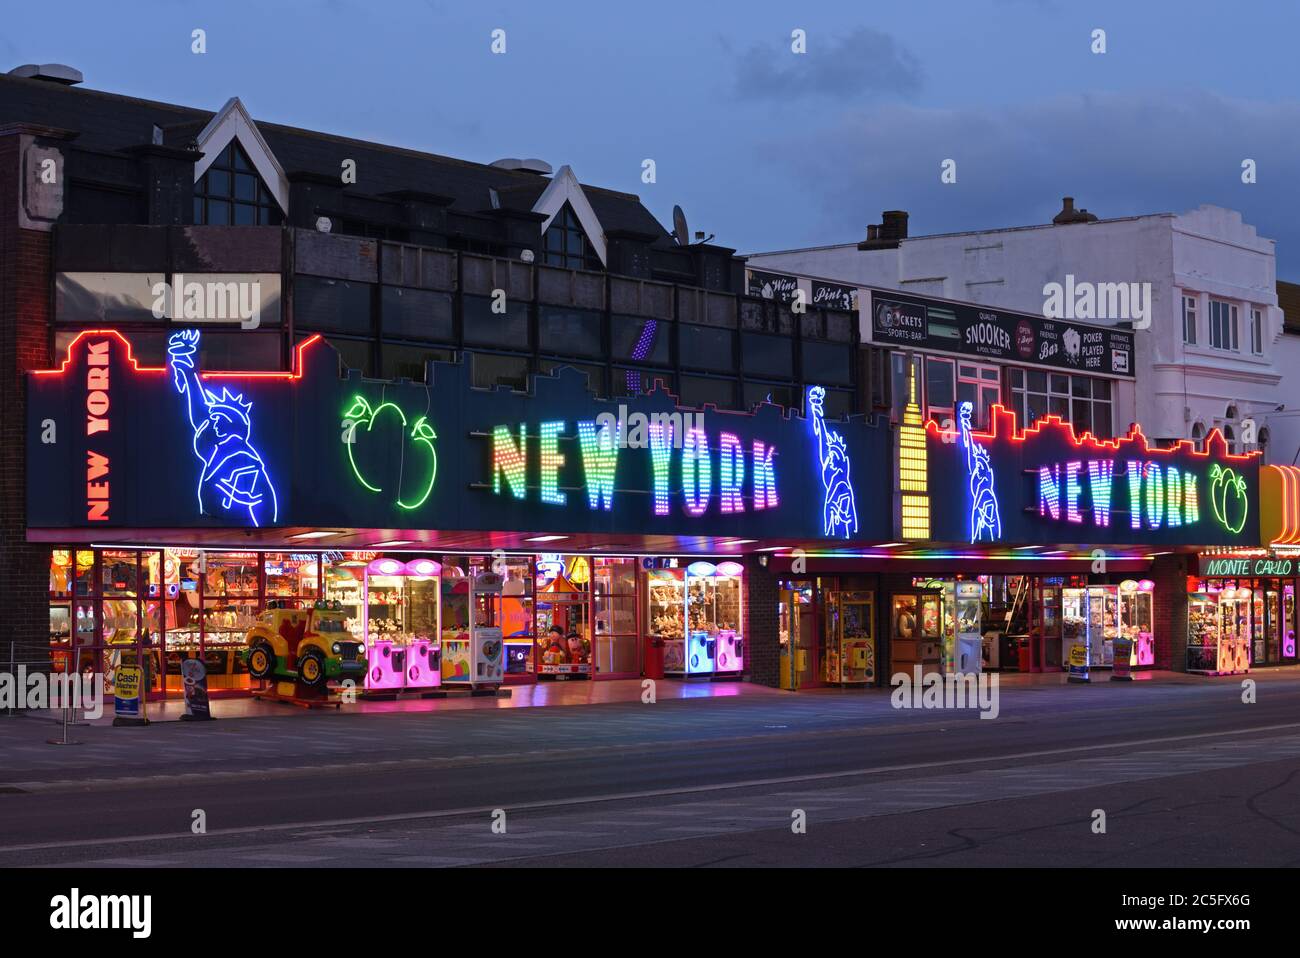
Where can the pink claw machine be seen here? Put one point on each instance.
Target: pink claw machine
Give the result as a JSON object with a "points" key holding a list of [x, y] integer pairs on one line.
{"points": [[402, 625]]}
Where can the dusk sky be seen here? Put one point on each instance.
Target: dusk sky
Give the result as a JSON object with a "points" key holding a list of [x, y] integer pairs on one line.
{"points": [[765, 148]]}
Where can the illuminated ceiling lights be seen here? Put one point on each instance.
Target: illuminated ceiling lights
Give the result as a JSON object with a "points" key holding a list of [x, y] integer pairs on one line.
{"points": [[390, 543], [316, 534], [546, 538]]}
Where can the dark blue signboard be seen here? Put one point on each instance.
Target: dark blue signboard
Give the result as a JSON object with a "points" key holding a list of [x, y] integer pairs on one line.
{"points": [[1043, 485], [112, 444]]}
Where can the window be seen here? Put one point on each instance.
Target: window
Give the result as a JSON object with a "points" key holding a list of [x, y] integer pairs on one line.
{"points": [[566, 245], [353, 353], [939, 394], [778, 393], [827, 363], [980, 386], [108, 298], [900, 381], [639, 339], [508, 330], [595, 374], [571, 332], [1257, 331], [767, 355], [1223, 325], [638, 382], [1230, 437], [408, 362], [707, 347], [488, 370], [331, 304], [1189, 320], [698, 390], [1083, 401], [230, 193], [417, 314]]}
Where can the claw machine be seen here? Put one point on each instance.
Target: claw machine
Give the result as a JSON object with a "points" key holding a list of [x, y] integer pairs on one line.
{"points": [[1090, 617], [487, 652], [1218, 623], [401, 624], [916, 620], [850, 653], [968, 602], [455, 629], [1137, 620], [666, 616]]}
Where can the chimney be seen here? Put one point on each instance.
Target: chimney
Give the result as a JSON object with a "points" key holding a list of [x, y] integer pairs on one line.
{"points": [[1069, 214], [887, 233], [893, 224]]}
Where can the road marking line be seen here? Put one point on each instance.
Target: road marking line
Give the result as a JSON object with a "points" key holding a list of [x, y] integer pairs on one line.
{"points": [[632, 796]]}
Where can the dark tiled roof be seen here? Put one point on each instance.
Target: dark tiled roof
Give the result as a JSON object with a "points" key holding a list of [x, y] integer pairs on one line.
{"points": [[1288, 297], [110, 122]]}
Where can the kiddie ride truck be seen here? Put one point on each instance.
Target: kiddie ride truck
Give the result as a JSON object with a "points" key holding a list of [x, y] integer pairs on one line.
{"points": [[309, 647]]}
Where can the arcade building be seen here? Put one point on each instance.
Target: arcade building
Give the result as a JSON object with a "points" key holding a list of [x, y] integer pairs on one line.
{"points": [[488, 407]]}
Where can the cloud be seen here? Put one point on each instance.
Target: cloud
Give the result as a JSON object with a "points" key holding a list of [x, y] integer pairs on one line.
{"points": [[1118, 154], [863, 62]]}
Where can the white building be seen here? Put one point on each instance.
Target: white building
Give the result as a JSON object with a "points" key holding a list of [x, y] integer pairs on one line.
{"points": [[1208, 351]]}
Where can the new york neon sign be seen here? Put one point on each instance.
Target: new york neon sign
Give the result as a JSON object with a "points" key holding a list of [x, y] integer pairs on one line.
{"points": [[697, 463]]}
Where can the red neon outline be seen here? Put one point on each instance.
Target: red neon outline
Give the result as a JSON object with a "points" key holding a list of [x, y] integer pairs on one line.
{"points": [[1214, 442], [296, 373]]}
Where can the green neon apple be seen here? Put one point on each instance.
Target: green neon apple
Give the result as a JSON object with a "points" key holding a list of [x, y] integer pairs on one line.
{"points": [[421, 435], [1228, 498]]}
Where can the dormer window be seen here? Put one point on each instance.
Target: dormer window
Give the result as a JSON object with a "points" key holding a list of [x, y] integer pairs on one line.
{"points": [[565, 244], [230, 193]]}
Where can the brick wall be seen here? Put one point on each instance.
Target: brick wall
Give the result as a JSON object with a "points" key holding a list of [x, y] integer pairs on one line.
{"points": [[762, 628], [1169, 573], [24, 344]]}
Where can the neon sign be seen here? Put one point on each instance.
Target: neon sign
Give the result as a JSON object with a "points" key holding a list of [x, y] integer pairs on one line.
{"points": [[985, 518], [361, 413], [839, 510], [233, 474], [598, 448], [1228, 499], [97, 406], [1120, 490]]}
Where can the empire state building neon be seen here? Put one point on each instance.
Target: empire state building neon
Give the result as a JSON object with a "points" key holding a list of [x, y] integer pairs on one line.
{"points": [[912, 467]]}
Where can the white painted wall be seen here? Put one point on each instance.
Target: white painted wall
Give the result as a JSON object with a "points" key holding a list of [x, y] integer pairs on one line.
{"points": [[1206, 252]]}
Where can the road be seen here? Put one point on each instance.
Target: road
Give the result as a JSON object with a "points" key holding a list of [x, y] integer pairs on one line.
{"points": [[1184, 772]]}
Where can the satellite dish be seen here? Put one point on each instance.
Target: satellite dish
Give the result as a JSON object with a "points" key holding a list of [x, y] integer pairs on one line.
{"points": [[680, 232]]}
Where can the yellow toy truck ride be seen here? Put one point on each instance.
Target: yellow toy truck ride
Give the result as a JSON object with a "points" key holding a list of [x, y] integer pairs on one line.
{"points": [[311, 646]]}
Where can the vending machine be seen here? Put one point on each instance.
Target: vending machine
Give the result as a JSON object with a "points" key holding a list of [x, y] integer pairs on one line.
{"points": [[401, 612], [487, 652], [968, 654], [730, 651]]}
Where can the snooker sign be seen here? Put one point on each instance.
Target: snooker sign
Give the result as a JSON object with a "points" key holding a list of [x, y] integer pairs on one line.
{"points": [[1045, 484]]}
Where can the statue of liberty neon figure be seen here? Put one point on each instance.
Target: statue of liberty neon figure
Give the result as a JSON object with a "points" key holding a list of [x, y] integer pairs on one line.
{"points": [[234, 475], [839, 509], [985, 520]]}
